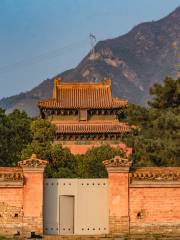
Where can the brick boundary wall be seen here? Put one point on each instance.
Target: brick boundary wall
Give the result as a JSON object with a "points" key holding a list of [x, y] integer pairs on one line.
{"points": [[143, 201], [21, 198], [155, 200], [118, 171], [146, 200]]}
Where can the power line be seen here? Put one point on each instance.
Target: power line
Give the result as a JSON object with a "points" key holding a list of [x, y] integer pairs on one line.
{"points": [[42, 57]]}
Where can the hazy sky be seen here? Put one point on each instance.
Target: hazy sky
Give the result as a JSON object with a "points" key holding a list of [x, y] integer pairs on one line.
{"points": [[40, 38]]}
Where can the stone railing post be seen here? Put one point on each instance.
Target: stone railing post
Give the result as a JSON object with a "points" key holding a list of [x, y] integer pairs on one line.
{"points": [[33, 171], [118, 171]]}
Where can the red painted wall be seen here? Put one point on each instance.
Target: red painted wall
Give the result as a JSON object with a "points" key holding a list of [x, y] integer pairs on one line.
{"points": [[82, 149], [118, 194], [118, 202], [157, 206], [21, 207], [33, 194], [147, 208]]}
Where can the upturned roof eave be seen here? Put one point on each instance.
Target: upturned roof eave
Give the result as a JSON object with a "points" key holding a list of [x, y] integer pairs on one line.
{"points": [[46, 104]]}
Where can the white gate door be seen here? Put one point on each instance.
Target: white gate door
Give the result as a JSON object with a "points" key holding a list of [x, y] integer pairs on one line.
{"points": [[76, 206], [66, 214]]}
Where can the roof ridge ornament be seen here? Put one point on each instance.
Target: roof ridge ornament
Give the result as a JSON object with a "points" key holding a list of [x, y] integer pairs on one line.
{"points": [[155, 175], [107, 81], [33, 162], [117, 161]]}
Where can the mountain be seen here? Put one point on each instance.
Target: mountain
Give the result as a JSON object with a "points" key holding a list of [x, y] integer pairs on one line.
{"points": [[134, 62]]}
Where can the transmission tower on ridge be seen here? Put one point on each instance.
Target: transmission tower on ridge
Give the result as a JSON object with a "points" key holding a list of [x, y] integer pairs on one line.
{"points": [[92, 39]]}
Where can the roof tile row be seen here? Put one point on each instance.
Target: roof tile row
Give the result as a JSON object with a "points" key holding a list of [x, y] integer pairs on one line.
{"points": [[83, 95], [92, 128]]}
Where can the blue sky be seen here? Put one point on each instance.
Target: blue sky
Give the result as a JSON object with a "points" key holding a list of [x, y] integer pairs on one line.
{"points": [[40, 38]]}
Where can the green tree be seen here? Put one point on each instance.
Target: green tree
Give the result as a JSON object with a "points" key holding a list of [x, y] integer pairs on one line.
{"points": [[61, 162], [43, 133], [4, 133], [166, 95], [136, 115], [20, 133], [15, 133], [156, 143], [90, 165]]}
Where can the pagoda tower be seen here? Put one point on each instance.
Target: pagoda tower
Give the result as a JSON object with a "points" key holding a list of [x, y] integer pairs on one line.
{"points": [[84, 112]]}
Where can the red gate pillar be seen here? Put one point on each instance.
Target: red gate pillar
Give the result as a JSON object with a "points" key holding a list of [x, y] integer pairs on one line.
{"points": [[33, 171], [118, 171]]}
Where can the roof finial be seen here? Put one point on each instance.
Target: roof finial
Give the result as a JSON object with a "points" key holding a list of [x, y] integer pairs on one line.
{"points": [[33, 156], [57, 81], [107, 81]]}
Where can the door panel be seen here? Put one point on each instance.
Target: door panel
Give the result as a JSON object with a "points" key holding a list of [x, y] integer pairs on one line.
{"points": [[66, 214]]}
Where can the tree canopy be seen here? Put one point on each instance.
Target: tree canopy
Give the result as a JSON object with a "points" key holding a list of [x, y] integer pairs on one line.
{"points": [[43, 133], [156, 141], [166, 95], [62, 163], [15, 134]]}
